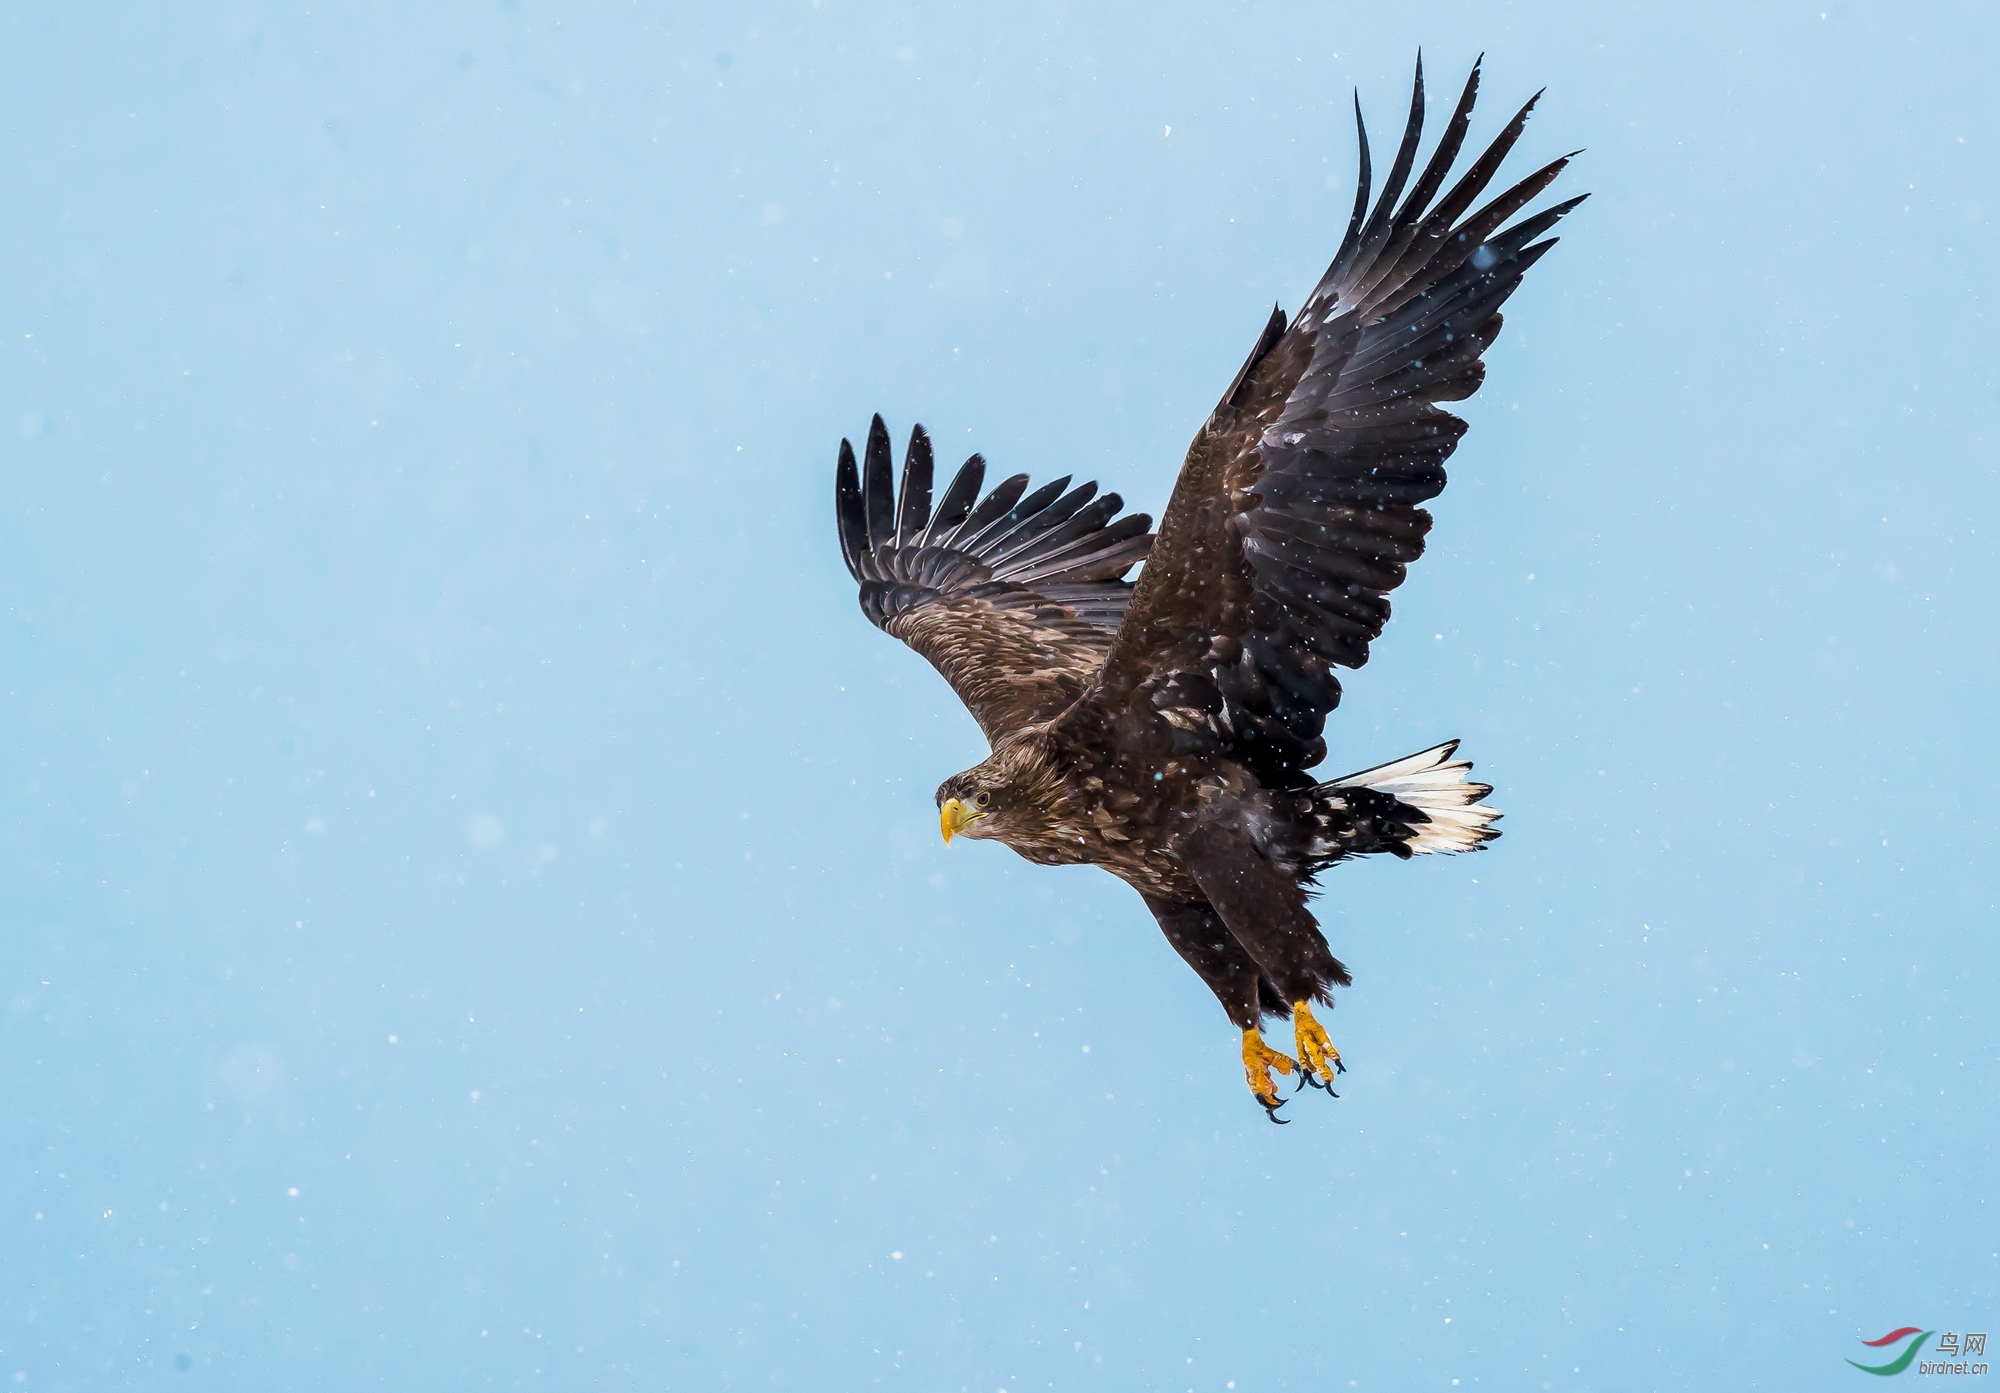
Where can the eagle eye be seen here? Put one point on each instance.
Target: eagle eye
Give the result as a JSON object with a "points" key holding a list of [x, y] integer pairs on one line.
{"points": [[981, 798]]}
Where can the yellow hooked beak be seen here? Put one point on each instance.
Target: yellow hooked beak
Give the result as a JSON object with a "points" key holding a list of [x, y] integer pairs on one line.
{"points": [[954, 817]]}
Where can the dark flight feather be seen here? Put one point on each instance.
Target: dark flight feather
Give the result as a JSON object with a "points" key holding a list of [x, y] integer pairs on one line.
{"points": [[956, 505], [1295, 514], [1013, 599]]}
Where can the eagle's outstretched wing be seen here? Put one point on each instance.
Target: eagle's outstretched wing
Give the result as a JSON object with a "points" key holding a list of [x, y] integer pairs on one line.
{"points": [[1296, 511], [1014, 599]]}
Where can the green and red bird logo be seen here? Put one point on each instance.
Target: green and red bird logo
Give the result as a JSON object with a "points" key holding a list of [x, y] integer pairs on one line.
{"points": [[1901, 1361]]}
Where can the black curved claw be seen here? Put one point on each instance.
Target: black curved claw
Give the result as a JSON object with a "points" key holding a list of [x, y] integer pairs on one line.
{"points": [[1271, 1111], [1338, 1067], [1305, 1077], [1325, 1086]]}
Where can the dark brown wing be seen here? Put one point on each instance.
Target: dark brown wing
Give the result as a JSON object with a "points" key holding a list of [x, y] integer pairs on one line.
{"points": [[1296, 511], [1014, 599]]}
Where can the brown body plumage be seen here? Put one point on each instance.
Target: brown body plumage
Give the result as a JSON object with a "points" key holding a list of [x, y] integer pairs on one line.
{"points": [[1163, 730]]}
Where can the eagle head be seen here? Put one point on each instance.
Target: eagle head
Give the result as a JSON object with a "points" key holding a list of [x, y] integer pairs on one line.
{"points": [[1005, 796]]}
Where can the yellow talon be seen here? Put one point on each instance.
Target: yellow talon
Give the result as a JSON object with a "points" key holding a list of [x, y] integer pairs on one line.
{"points": [[1317, 1056], [1258, 1061]]}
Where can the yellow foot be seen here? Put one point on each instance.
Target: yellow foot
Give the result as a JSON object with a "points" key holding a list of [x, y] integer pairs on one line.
{"points": [[1319, 1061], [1259, 1059]]}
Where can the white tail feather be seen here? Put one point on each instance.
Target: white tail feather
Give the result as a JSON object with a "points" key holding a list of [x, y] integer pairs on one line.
{"points": [[1432, 781]]}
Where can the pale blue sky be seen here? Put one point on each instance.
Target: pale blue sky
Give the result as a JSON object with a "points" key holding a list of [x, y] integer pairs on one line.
{"points": [[472, 905]]}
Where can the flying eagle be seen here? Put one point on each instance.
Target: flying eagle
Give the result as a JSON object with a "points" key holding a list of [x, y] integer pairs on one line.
{"points": [[1163, 729]]}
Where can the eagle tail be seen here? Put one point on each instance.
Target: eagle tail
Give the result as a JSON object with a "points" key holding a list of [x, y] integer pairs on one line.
{"points": [[1423, 802]]}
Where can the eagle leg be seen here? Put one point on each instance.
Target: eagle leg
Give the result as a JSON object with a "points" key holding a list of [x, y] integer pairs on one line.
{"points": [[1319, 1061], [1263, 905], [1259, 1059], [1206, 944]]}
